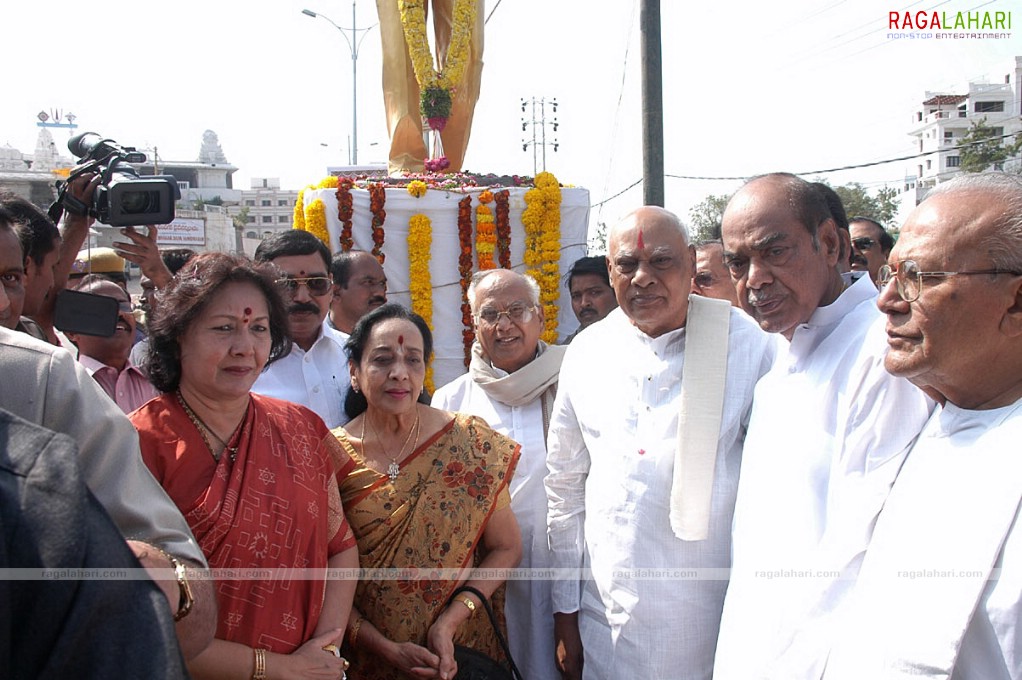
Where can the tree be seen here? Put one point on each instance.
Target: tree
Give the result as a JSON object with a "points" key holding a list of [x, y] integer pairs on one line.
{"points": [[706, 217], [241, 219], [990, 149], [858, 203]]}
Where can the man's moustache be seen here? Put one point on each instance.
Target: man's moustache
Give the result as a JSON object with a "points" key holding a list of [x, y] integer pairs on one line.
{"points": [[300, 307], [378, 300], [858, 259]]}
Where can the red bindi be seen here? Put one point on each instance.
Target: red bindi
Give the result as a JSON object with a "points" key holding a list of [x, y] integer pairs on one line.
{"points": [[641, 244], [400, 339], [248, 311]]}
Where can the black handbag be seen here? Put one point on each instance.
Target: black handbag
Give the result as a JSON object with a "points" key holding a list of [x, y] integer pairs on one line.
{"points": [[473, 664]]}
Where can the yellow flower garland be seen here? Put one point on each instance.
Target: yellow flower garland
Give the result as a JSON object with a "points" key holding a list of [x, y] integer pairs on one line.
{"points": [[299, 214], [486, 232], [542, 221], [315, 221], [420, 239], [417, 188], [413, 20]]}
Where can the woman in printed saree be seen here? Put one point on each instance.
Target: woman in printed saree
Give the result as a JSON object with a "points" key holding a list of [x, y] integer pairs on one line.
{"points": [[428, 502], [255, 477]]}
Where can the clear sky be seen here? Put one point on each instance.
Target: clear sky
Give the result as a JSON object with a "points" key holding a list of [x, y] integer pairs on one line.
{"points": [[749, 87]]}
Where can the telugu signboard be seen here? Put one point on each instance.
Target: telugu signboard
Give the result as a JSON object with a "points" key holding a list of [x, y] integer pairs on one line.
{"points": [[183, 231]]}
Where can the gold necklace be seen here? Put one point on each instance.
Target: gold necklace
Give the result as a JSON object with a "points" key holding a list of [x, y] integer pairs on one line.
{"points": [[203, 428], [394, 469]]}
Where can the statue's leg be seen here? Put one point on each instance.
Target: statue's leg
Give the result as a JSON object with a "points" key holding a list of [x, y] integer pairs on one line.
{"points": [[400, 94]]}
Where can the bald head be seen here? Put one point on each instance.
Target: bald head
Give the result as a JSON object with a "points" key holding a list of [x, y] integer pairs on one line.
{"points": [[508, 316]]}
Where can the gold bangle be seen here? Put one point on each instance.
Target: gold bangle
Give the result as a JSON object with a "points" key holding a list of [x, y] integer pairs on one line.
{"points": [[186, 600], [467, 601], [353, 635], [260, 664]]}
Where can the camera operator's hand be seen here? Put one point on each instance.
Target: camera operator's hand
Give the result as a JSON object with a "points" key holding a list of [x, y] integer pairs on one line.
{"points": [[75, 228], [144, 252]]}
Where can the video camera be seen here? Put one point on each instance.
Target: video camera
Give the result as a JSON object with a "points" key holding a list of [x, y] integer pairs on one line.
{"points": [[123, 198]]}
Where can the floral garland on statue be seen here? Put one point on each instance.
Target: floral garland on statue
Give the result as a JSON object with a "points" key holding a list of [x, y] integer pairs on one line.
{"points": [[377, 199], [315, 220], [503, 229], [542, 221], [298, 219], [436, 89], [468, 335], [420, 286], [344, 212], [486, 232]]}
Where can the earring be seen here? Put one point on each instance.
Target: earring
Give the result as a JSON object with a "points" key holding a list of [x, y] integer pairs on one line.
{"points": [[354, 387]]}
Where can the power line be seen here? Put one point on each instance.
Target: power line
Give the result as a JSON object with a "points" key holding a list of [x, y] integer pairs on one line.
{"points": [[821, 172]]}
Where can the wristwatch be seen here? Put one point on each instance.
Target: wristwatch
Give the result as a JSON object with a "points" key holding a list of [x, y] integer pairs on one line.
{"points": [[181, 573]]}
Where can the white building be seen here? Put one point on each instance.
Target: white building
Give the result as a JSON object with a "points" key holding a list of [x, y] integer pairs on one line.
{"points": [[269, 208], [944, 118]]}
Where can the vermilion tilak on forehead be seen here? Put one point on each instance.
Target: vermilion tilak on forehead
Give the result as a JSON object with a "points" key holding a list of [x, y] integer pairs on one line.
{"points": [[401, 340], [641, 244], [247, 314]]}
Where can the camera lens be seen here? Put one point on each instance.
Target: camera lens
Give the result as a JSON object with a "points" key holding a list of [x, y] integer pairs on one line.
{"points": [[140, 202]]}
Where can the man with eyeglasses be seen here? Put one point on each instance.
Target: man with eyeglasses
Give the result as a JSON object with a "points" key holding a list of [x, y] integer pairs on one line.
{"points": [[511, 384], [871, 244], [711, 278], [939, 590], [360, 286], [315, 373], [107, 359], [645, 442], [828, 432]]}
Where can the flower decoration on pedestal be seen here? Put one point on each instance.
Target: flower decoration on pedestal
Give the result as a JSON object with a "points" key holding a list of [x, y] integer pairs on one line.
{"points": [[417, 188], [344, 212], [542, 221], [315, 220], [486, 232], [468, 335], [420, 239], [377, 199], [437, 88], [503, 229]]}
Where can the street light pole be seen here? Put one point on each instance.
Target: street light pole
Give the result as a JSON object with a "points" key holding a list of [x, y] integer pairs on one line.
{"points": [[353, 45]]}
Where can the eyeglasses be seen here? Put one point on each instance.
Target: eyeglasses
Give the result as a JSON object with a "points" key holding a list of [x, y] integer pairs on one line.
{"points": [[909, 280], [518, 312], [863, 243], [703, 279], [317, 285]]}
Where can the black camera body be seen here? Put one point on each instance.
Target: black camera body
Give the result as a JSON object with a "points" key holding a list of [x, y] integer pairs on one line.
{"points": [[123, 198]]}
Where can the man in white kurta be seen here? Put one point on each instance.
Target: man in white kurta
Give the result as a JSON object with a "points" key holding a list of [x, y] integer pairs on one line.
{"points": [[940, 589], [516, 402], [828, 433], [651, 604]]}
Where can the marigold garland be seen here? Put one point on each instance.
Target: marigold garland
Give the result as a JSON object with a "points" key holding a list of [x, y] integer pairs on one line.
{"points": [[486, 232], [377, 199], [468, 335], [542, 221], [419, 284], [503, 229], [417, 188], [344, 212], [298, 219], [315, 221]]}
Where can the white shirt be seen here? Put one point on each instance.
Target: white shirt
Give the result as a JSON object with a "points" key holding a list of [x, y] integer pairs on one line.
{"points": [[317, 379], [924, 603], [829, 431], [528, 608], [612, 446]]}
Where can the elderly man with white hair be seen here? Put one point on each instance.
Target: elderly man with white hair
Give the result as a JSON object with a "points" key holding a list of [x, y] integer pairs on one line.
{"points": [[511, 385], [940, 589], [644, 449]]}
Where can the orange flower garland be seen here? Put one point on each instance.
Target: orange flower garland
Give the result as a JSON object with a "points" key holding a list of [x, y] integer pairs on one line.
{"points": [[486, 232], [503, 229], [344, 212], [468, 335], [377, 198], [542, 221], [420, 239]]}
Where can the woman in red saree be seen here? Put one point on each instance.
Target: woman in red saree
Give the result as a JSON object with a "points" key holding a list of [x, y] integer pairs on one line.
{"points": [[254, 477], [429, 505]]}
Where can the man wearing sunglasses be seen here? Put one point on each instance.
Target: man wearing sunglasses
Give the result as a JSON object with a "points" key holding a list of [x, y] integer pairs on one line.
{"points": [[315, 373], [828, 431], [939, 592], [871, 244]]}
